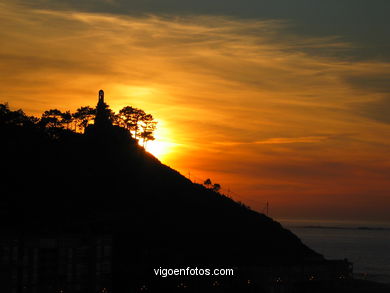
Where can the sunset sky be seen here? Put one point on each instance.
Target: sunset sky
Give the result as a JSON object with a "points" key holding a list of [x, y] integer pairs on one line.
{"points": [[281, 101]]}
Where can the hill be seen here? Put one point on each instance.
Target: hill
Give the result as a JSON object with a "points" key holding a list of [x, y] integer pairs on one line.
{"points": [[106, 177], [101, 186]]}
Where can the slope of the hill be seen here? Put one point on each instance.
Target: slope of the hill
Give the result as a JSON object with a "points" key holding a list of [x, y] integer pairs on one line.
{"points": [[102, 181]]}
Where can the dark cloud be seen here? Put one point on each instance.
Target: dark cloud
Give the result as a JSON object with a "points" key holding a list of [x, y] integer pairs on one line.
{"points": [[377, 85], [378, 110], [376, 82], [361, 21]]}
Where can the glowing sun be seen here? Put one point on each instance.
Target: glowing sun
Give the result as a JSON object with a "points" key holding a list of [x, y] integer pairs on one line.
{"points": [[156, 148]]}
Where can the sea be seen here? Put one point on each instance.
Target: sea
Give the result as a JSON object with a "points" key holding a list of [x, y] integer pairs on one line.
{"points": [[366, 245]]}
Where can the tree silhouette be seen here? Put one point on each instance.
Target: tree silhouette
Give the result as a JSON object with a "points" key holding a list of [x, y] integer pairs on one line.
{"points": [[216, 187], [139, 124], [83, 116], [148, 126], [67, 118], [131, 117], [17, 117], [52, 118], [207, 183]]}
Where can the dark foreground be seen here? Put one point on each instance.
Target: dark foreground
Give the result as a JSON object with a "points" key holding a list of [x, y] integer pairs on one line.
{"points": [[93, 212]]}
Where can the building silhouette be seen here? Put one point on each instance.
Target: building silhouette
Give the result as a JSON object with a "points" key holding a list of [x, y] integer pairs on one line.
{"points": [[102, 118], [56, 263]]}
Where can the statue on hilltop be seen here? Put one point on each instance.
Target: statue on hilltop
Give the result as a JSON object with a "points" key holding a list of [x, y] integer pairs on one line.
{"points": [[103, 113]]}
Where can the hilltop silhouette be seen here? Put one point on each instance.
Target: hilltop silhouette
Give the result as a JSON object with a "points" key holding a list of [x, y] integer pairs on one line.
{"points": [[101, 186]]}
